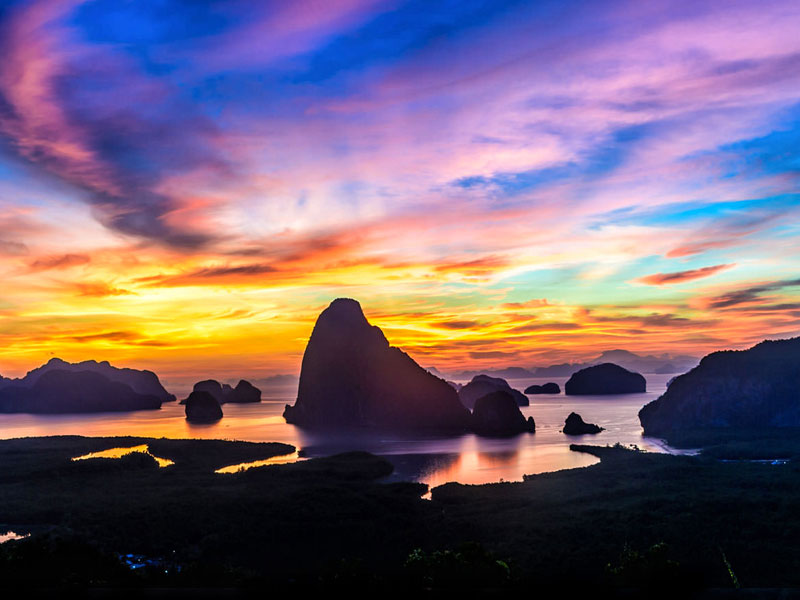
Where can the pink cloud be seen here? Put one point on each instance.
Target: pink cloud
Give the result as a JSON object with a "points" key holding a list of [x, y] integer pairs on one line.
{"points": [[34, 55], [682, 276]]}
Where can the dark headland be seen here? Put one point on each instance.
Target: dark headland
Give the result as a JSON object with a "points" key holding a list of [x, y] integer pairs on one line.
{"points": [[734, 393]]}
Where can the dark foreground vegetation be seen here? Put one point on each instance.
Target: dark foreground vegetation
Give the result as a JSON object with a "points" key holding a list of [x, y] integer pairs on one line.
{"points": [[669, 526]]}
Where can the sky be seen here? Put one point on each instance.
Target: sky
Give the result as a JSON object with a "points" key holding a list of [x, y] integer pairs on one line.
{"points": [[185, 185]]}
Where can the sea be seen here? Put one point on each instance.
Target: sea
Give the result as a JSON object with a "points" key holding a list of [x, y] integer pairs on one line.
{"points": [[434, 460]]}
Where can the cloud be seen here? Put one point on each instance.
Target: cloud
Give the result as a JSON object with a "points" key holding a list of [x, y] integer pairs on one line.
{"points": [[204, 275], [478, 267], [652, 321], [62, 261], [221, 272], [693, 248], [530, 151], [730, 230], [491, 354], [748, 295], [682, 276], [457, 324], [99, 289], [533, 303], [126, 337], [542, 327], [12, 248], [98, 138]]}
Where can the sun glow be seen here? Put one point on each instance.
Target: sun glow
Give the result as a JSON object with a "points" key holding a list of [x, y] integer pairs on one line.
{"points": [[445, 189]]}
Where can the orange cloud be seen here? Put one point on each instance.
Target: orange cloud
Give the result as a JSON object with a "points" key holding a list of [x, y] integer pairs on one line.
{"points": [[99, 289], [125, 337], [63, 261], [700, 247]]}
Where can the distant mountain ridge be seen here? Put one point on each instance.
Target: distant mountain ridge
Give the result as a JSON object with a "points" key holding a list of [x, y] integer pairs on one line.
{"points": [[660, 364]]}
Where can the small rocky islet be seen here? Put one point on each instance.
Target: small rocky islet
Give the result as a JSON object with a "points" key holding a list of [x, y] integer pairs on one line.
{"points": [[575, 425], [547, 388]]}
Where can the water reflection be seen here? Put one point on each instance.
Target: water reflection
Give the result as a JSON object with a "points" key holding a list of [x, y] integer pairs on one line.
{"points": [[467, 458], [433, 460], [275, 460], [120, 452], [10, 535]]}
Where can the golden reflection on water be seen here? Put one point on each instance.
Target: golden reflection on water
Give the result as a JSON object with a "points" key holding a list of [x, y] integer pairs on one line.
{"points": [[475, 467], [467, 459], [10, 535], [275, 460], [120, 452]]}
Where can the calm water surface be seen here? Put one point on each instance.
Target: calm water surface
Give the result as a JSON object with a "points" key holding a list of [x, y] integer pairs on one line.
{"points": [[433, 460]]}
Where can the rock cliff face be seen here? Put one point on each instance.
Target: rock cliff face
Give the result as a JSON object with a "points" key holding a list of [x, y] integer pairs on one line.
{"points": [[607, 378], [481, 385], [352, 377], [58, 391], [747, 389], [202, 407], [498, 414], [141, 382]]}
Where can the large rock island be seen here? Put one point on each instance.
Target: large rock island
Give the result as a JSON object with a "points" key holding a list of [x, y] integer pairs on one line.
{"points": [[729, 390], [604, 379], [140, 381], [352, 377], [60, 391]]}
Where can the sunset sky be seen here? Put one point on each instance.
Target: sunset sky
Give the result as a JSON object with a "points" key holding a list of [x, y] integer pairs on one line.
{"points": [[184, 185]]}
